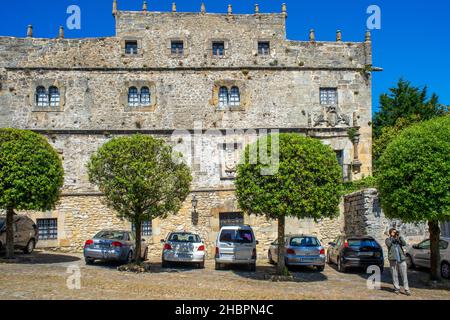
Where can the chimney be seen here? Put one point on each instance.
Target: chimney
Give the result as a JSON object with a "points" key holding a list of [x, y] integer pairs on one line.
{"points": [[230, 9], [144, 6], [174, 7], [203, 8], [114, 10], [30, 31], [312, 35], [61, 32], [339, 36], [284, 9], [256, 8], [368, 36]]}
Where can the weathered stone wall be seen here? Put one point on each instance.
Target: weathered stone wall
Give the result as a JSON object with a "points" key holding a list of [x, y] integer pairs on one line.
{"points": [[364, 217]]}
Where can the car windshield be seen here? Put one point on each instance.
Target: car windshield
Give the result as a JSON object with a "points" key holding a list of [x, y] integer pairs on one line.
{"points": [[305, 242], [236, 236], [111, 235], [362, 243], [184, 237]]}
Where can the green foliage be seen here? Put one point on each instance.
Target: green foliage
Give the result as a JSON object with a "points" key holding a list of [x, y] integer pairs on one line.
{"points": [[307, 184], [405, 101], [140, 177], [31, 172], [354, 186], [414, 173]]}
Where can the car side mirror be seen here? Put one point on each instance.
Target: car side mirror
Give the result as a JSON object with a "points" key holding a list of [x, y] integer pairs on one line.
{"points": [[257, 242], [163, 241], [332, 244]]}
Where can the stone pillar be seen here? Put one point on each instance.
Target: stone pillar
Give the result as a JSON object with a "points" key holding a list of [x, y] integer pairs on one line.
{"points": [[256, 9], [61, 32], [174, 7], [312, 35], [339, 36], [203, 8], [368, 36], [144, 7], [230, 9], [284, 9]]}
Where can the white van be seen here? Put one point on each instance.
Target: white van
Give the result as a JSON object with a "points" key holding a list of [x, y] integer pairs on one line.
{"points": [[236, 245]]}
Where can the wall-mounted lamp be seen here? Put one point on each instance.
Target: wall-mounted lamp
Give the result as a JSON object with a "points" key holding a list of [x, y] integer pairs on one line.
{"points": [[194, 211]]}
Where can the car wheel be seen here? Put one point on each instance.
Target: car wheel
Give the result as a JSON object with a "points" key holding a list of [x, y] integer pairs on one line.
{"points": [[320, 268], [271, 261], [201, 265], [129, 258], [145, 257], [341, 267], [328, 261], [30, 247], [219, 266], [410, 262], [89, 261], [445, 270], [165, 264]]}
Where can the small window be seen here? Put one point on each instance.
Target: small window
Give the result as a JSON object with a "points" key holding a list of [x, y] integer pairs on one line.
{"points": [[48, 229], [145, 96], [41, 97], [54, 97], [133, 97], [235, 97], [231, 219], [328, 96], [131, 47], [218, 49], [223, 97], [177, 47], [263, 48], [146, 228]]}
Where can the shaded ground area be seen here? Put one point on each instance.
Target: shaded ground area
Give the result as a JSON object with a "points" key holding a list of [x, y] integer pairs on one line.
{"points": [[44, 275]]}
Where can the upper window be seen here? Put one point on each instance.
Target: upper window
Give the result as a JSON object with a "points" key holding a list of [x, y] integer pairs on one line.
{"points": [[263, 48], [133, 97], [328, 96], [131, 47], [50, 99], [177, 47], [229, 98], [145, 96], [218, 49]]}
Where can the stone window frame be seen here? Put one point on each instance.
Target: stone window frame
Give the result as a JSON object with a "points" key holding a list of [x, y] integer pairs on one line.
{"points": [[244, 96], [227, 48], [186, 47], [139, 84], [140, 49], [47, 84]]}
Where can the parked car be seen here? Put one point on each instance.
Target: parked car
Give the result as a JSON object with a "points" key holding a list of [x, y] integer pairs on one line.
{"points": [[301, 250], [236, 245], [419, 255], [360, 252], [183, 247], [113, 245], [26, 233]]}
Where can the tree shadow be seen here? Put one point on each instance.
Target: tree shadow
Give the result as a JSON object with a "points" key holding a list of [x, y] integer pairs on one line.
{"points": [[265, 272], [153, 267], [38, 257]]}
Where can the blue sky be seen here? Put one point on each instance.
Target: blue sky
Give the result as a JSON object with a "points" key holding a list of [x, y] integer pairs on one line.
{"points": [[413, 43]]}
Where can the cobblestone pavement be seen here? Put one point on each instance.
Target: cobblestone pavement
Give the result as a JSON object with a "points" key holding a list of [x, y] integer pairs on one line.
{"points": [[44, 275]]}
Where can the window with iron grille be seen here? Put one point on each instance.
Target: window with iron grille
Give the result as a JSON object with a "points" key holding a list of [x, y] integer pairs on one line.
{"points": [[218, 48], [177, 47], [328, 96], [146, 228], [54, 97], [223, 97], [263, 48], [41, 97], [231, 219], [133, 97], [48, 229], [235, 97], [131, 47], [145, 96]]}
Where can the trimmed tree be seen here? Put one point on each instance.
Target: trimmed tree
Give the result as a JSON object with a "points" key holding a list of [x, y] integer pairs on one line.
{"points": [[414, 179], [141, 179], [31, 176], [307, 183]]}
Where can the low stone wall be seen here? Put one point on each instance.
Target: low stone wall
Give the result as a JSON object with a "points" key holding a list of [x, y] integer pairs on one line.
{"points": [[364, 216]]}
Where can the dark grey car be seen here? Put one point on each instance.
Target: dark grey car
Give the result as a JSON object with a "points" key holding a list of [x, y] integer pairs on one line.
{"points": [[115, 245], [25, 233]]}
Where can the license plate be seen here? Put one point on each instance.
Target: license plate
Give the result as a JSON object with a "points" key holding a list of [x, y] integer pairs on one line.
{"points": [[184, 256], [227, 256], [366, 254]]}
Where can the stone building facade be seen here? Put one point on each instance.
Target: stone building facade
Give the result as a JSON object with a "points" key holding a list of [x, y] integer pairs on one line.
{"points": [[208, 84]]}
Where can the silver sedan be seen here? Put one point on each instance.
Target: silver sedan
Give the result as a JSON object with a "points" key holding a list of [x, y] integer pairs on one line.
{"points": [[183, 247], [115, 245], [301, 250]]}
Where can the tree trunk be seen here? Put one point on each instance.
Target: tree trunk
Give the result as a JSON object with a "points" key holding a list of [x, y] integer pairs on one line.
{"points": [[281, 245], [138, 228], [435, 231], [9, 233]]}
